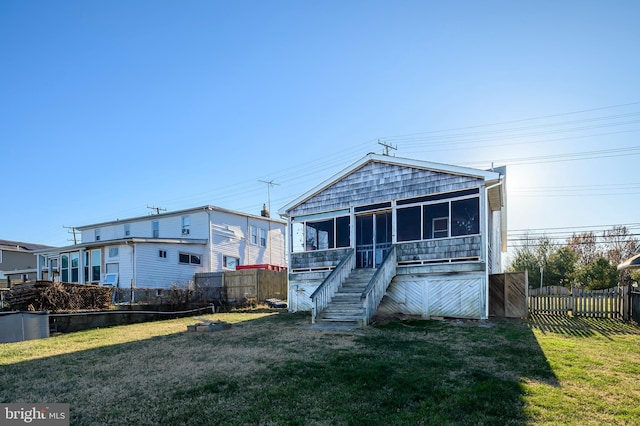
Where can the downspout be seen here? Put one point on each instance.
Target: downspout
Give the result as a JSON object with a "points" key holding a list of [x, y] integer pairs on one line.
{"points": [[210, 242], [485, 233], [133, 270], [247, 239]]}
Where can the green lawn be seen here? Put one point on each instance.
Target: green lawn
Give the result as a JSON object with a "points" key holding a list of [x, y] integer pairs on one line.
{"points": [[270, 369]]}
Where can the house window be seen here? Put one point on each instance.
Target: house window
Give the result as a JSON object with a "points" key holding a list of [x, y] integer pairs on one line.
{"points": [[75, 267], [186, 259], [127, 230], [96, 262], [320, 235], [230, 262], [155, 229], [113, 251], [185, 225], [162, 254], [64, 269], [97, 234], [440, 227], [254, 235], [0, 256], [263, 237], [87, 262]]}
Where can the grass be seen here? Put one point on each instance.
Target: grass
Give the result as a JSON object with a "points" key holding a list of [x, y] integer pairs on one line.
{"points": [[270, 369]]}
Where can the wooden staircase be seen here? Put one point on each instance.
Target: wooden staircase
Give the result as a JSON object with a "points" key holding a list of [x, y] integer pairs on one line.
{"points": [[346, 307]]}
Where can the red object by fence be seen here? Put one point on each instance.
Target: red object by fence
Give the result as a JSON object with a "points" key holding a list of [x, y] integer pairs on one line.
{"points": [[265, 266]]}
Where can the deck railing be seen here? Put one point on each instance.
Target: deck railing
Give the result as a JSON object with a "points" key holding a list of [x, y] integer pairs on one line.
{"points": [[374, 292], [325, 291]]}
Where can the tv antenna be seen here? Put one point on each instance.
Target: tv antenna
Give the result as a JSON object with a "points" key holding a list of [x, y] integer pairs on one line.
{"points": [[387, 147], [157, 209], [269, 183]]}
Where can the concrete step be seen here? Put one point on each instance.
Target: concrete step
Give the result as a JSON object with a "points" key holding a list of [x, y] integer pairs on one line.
{"points": [[347, 304], [344, 322], [334, 312]]}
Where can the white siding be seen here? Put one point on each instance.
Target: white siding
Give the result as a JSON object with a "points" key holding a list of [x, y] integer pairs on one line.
{"points": [[231, 237], [154, 271], [125, 264], [229, 232], [170, 227]]}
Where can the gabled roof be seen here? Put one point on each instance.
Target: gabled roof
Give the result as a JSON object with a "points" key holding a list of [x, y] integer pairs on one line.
{"points": [[20, 246], [403, 162]]}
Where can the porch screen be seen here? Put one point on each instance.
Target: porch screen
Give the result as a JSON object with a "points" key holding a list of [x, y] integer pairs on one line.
{"points": [[449, 218], [320, 235]]}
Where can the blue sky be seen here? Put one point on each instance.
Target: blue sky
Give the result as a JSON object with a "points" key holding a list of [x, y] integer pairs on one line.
{"points": [[108, 107]]}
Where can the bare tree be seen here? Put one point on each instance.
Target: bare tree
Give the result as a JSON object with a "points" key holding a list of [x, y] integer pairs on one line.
{"points": [[585, 246], [619, 244]]}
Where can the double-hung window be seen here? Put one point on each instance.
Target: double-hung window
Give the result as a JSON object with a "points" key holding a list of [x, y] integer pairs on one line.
{"points": [[186, 222], [254, 235]]}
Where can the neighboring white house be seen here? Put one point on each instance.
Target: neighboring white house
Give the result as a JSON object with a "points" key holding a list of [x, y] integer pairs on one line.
{"points": [[160, 250], [397, 235]]}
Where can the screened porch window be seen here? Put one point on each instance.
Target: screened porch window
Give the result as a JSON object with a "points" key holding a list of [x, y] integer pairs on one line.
{"points": [[320, 235], [409, 223], [439, 220], [464, 217]]}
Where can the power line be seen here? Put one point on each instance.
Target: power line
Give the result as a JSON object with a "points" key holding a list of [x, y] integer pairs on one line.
{"points": [[517, 121], [634, 224]]}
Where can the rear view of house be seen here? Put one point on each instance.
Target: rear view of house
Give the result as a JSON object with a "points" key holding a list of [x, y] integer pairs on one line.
{"points": [[166, 249], [399, 236]]}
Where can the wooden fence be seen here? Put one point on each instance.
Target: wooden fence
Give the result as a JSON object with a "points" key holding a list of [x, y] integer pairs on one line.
{"points": [[243, 285], [508, 294], [557, 300]]}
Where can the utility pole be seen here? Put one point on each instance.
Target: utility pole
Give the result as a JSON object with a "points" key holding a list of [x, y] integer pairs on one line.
{"points": [[387, 147], [269, 185], [72, 229], [157, 209]]}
